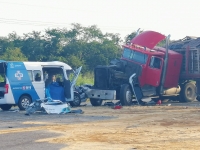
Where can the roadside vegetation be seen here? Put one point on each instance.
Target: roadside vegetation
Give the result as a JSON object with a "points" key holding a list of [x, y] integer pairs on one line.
{"points": [[77, 46], [87, 78]]}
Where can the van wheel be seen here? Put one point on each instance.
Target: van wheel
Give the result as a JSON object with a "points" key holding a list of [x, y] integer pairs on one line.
{"points": [[126, 95], [77, 100], [96, 102], [24, 102], [5, 107], [188, 92]]}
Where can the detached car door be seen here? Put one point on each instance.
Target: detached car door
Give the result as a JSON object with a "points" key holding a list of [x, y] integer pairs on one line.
{"points": [[69, 86]]}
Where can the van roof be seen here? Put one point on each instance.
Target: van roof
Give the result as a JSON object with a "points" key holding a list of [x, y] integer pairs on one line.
{"points": [[50, 63]]}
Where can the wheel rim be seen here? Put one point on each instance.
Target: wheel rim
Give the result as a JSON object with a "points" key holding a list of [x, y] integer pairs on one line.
{"points": [[25, 102], [76, 99], [128, 96], [189, 92]]}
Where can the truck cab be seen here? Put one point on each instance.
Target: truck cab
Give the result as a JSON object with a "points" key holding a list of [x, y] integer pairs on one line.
{"points": [[142, 71]]}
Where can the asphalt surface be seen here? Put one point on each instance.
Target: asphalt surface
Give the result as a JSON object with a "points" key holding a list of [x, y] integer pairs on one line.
{"points": [[14, 119]]}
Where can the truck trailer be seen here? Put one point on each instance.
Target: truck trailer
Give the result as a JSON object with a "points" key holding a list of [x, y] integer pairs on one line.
{"points": [[147, 70]]}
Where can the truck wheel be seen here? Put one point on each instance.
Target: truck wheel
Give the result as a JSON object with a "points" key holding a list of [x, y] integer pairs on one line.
{"points": [[188, 92], [5, 107], [24, 102], [77, 100], [126, 95], [96, 102]]}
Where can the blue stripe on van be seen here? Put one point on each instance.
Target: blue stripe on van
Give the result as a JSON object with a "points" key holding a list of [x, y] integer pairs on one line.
{"points": [[20, 82]]}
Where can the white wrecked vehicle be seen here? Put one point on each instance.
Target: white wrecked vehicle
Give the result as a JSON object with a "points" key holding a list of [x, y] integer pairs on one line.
{"points": [[58, 94]]}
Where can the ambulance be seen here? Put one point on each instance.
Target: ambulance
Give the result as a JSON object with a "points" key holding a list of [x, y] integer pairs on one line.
{"points": [[21, 83]]}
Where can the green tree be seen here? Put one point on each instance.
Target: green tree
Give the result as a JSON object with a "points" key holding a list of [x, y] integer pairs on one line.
{"points": [[90, 46], [130, 36], [162, 43], [78, 46], [33, 46], [13, 55]]}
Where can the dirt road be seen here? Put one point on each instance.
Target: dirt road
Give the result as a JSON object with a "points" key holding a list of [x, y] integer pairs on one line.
{"points": [[103, 128]]}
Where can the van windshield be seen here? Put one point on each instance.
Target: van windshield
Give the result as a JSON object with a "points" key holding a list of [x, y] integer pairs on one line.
{"points": [[135, 56]]}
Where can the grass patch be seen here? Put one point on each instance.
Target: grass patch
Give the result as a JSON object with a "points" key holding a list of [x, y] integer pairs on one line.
{"points": [[87, 78]]}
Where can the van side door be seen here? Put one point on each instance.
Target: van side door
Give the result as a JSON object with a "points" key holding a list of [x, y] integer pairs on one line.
{"points": [[38, 83], [69, 85]]}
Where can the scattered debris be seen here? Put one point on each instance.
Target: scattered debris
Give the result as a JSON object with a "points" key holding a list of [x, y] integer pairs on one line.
{"points": [[117, 107], [159, 102], [51, 107], [109, 104], [78, 111], [83, 105]]}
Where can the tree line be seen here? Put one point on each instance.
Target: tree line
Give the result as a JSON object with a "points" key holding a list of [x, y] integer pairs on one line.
{"points": [[78, 46]]}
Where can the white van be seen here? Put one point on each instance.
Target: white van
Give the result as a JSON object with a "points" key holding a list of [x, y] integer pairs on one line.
{"points": [[24, 82]]}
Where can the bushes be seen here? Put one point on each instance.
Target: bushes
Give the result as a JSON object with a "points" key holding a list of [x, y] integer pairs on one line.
{"points": [[87, 78]]}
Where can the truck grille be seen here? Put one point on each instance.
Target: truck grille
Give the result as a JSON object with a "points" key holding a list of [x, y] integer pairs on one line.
{"points": [[101, 78]]}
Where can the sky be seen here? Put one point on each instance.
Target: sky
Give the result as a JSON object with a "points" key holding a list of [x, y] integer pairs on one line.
{"points": [[178, 18]]}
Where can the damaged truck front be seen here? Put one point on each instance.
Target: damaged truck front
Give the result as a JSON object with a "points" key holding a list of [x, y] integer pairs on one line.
{"points": [[144, 70]]}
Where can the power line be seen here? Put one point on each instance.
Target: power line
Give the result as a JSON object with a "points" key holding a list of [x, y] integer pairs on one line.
{"points": [[53, 24], [29, 22]]}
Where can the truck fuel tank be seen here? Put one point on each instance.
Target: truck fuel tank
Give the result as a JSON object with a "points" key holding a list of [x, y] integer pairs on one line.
{"points": [[171, 91]]}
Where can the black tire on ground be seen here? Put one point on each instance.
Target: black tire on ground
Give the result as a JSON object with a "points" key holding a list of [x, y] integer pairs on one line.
{"points": [[126, 95], [24, 102], [77, 100], [5, 106], [188, 92], [96, 102]]}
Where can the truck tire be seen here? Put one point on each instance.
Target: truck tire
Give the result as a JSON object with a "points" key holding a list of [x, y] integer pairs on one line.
{"points": [[77, 100], [24, 102], [188, 92], [96, 102], [126, 95], [5, 107]]}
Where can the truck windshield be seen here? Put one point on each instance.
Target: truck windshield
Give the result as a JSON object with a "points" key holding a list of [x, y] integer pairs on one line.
{"points": [[135, 56]]}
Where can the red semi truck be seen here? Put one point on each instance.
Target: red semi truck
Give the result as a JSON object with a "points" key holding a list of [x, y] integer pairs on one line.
{"points": [[146, 70]]}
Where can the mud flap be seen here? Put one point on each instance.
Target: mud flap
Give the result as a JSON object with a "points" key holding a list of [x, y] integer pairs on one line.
{"points": [[136, 88], [137, 91]]}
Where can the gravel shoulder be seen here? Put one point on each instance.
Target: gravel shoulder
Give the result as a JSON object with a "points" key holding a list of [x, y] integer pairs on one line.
{"points": [[174, 126]]}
